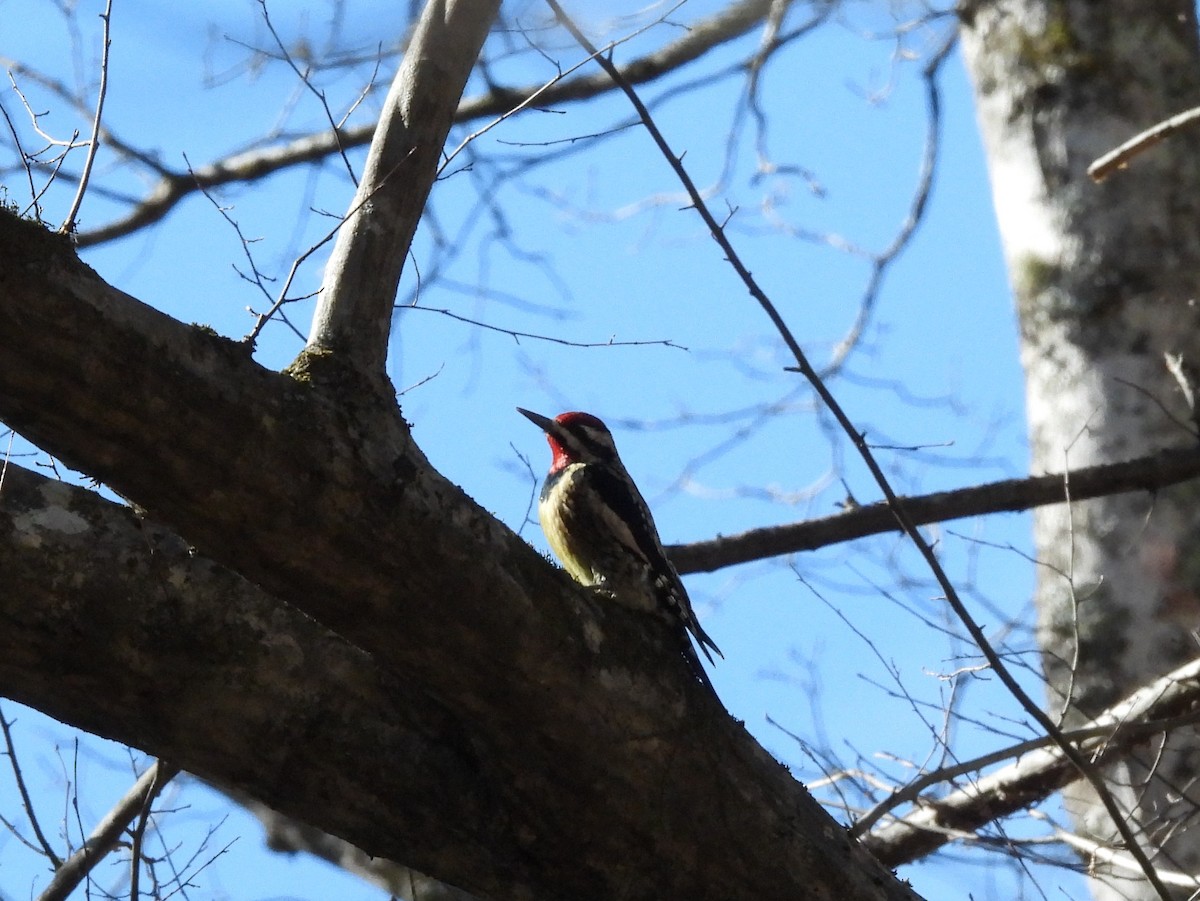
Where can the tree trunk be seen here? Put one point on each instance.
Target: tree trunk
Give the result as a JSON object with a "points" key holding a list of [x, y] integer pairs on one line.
{"points": [[1105, 294]]}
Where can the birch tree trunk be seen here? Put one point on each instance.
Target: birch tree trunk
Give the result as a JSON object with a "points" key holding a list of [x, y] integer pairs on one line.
{"points": [[1105, 286]]}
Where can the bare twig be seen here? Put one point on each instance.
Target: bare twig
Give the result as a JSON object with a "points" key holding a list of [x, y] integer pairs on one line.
{"points": [[33, 193], [728, 25], [258, 278], [26, 802], [261, 319], [1092, 849], [69, 874], [94, 143], [805, 368], [1119, 158], [882, 261], [55, 164], [63, 92], [1166, 703], [161, 774], [534, 95], [516, 335], [319, 94]]}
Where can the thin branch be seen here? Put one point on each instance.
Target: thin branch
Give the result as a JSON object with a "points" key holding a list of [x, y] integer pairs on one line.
{"points": [[805, 368], [1147, 473], [1166, 702], [94, 143], [105, 836], [320, 95], [912, 792], [55, 164], [173, 187], [25, 158], [882, 261], [59, 89], [258, 278], [161, 774], [26, 802], [1092, 849], [523, 104], [282, 298], [516, 335], [1119, 158]]}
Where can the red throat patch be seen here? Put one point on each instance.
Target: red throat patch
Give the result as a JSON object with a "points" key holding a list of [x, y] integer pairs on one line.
{"points": [[561, 459]]}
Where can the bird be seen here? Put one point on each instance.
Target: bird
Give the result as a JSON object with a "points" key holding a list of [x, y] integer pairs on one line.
{"points": [[600, 528]]}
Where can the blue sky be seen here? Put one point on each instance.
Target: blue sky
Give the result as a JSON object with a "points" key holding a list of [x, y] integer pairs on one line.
{"points": [[587, 242]]}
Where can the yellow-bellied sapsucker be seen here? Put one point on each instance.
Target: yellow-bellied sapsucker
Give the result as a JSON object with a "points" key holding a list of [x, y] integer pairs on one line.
{"points": [[601, 529]]}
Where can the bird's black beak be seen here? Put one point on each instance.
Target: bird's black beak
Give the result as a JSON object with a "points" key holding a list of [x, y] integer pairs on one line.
{"points": [[549, 426], [552, 429]]}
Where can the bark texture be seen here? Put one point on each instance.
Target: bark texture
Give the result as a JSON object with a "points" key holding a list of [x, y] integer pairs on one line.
{"points": [[446, 699], [1105, 284]]}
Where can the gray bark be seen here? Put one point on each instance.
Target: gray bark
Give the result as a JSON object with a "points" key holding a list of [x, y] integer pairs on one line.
{"points": [[1105, 285]]}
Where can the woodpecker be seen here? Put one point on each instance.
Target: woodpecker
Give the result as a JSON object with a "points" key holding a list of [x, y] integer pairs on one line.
{"points": [[599, 526]]}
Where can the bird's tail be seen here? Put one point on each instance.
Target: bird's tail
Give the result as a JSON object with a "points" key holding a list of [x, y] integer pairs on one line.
{"points": [[702, 639], [693, 660]]}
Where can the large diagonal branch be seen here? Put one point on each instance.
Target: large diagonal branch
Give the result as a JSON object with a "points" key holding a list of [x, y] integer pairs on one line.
{"points": [[168, 631], [309, 485], [114, 624]]}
